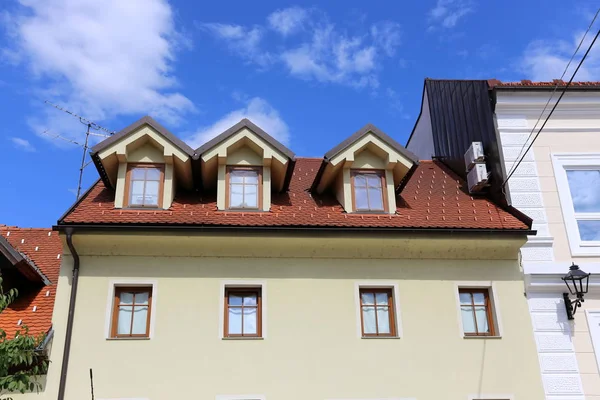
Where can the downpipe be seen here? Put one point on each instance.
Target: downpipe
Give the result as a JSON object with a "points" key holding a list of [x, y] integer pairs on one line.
{"points": [[70, 318]]}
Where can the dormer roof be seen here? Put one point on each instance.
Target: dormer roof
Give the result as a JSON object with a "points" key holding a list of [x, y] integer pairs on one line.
{"points": [[103, 153], [371, 138], [147, 120], [245, 123], [247, 134], [372, 129]]}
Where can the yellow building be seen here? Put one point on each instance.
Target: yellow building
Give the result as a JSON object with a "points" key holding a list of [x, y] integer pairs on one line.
{"points": [[238, 271]]}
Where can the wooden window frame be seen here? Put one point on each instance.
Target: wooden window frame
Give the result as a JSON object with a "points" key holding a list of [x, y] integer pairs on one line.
{"points": [[488, 310], [391, 312], [115, 311], [381, 174], [259, 194], [161, 184], [241, 291]]}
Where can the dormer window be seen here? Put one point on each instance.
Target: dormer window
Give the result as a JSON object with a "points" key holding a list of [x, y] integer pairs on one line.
{"points": [[244, 186], [144, 185], [365, 171], [244, 166], [368, 189]]}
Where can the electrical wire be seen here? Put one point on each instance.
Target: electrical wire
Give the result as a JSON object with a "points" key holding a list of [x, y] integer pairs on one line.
{"points": [[554, 91], [555, 105]]}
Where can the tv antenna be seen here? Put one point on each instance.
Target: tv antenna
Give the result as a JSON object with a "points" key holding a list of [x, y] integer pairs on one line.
{"points": [[90, 126]]}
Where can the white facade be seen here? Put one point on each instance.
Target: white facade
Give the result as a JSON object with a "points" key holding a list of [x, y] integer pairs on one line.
{"points": [[558, 185]]}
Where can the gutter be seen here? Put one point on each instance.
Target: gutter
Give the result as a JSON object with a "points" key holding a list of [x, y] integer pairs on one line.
{"points": [[324, 230], [71, 315]]}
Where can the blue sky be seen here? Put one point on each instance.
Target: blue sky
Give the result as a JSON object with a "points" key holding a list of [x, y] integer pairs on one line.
{"points": [[310, 74]]}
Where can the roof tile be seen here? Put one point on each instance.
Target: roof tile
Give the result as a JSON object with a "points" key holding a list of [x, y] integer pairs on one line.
{"points": [[43, 247], [431, 187]]}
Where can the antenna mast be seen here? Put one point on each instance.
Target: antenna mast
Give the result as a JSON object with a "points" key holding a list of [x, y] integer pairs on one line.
{"points": [[90, 125]]}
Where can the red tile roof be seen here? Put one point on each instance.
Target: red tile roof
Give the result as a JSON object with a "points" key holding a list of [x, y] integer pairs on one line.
{"points": [[44, 248], [434, 197], [525, 83]]}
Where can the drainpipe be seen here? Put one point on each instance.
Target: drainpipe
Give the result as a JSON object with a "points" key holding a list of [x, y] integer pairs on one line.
{"points": [[70, 317]]}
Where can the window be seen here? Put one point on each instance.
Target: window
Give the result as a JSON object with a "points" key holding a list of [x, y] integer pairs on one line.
{"points": [[131, 312], [243, 312], [578, 182], [244, 188], [144, 185], [367, 190], [377, 312], [476, 312], [584, 186]]}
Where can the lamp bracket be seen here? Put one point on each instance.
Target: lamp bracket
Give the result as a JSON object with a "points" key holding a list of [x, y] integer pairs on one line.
{"points": [[572, 305]]}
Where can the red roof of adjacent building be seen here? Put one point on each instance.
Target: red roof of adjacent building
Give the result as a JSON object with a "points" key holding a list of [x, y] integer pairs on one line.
{"points": [[33, 307], [526, 83], [434, 198]]}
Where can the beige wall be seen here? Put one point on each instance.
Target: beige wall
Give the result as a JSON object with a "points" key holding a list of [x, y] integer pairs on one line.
{"points": [[311, 349], [549, 143]]}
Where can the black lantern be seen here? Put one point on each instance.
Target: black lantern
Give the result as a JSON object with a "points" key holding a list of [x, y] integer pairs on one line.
{"points": [[577, 281]]}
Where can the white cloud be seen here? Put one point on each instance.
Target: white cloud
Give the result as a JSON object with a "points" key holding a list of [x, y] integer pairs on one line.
{"points": [[322, 52], [395, 104], [387, 35], [101, 59], [241, 40], [546, 60], [447, 13], [22, 144], [257, 110], [288, 20]]}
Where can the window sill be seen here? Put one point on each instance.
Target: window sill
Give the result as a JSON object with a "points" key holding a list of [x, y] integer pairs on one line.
{"points": [[482, 337], [366, 212], [127, 338], [243, 338], [143, 209], [243, 210], [380, 337]]}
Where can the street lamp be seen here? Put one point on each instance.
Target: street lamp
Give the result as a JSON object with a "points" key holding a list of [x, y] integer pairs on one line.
{"points": [[577, 281]]}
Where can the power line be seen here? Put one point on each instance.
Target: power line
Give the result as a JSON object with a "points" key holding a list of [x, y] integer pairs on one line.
{"points": [[554, 91], [555, 105]]}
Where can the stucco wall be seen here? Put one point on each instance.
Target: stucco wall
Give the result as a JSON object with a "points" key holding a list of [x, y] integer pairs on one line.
{"points": [[567, 358], [312, 349]]}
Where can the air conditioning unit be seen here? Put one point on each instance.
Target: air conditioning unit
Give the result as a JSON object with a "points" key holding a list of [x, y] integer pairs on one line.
{"points": [[477, 178], [474, 155]]}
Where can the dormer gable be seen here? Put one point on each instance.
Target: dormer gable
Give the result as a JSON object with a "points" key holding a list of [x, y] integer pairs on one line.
{"points": [[245, 165], [365, 170], [144, 164]]}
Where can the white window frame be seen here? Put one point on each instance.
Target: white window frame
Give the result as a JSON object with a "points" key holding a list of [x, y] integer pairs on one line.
{"points": [[110, 302], [491, 397], [242, 283], [582, 161], [241, 397], [497, 320], [396, 296]]}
